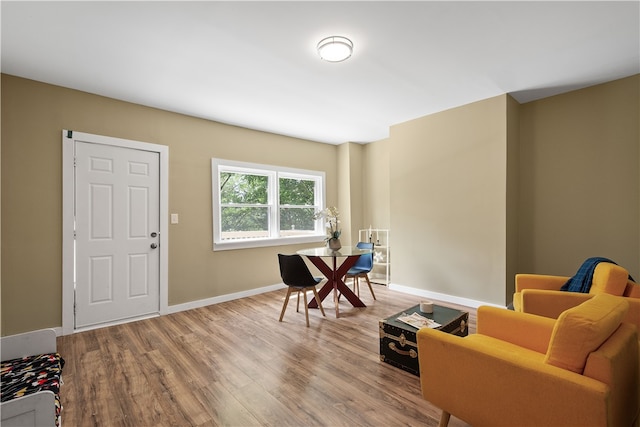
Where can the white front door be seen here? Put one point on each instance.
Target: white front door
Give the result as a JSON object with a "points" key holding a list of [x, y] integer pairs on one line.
{"points": [[117, 199]]}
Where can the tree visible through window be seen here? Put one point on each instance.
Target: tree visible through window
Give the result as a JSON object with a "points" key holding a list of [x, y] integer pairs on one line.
{"points": [[297, 205], [244, 205], [254, 203]]}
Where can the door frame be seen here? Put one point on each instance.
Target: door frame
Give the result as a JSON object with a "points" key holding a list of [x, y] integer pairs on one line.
{"points": [[68, 218]]}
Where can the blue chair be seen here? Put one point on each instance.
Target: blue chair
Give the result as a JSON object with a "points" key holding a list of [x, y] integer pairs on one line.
{"points": [[296, 275], [361, 268]]}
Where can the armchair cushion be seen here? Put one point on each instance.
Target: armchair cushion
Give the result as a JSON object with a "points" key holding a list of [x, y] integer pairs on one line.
{"points": [[582, 329], [609, 278], [507, 325]]}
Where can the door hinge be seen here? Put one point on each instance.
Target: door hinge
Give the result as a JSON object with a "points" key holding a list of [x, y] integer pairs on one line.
{"points": [[74, 308]]}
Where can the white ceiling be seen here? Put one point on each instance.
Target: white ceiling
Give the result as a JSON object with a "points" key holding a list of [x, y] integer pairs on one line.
{"points": [[254, 64]]}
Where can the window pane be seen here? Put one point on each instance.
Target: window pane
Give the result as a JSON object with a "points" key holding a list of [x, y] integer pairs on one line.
{"points": [[300, 192], [295, 221], [244, 222], [243, 188]]}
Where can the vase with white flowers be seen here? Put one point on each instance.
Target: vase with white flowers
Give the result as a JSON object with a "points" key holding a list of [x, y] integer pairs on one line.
{"points": [[332, 217]]}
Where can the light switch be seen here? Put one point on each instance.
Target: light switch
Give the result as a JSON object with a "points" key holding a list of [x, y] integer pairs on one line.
{"points": [[174, 218]]}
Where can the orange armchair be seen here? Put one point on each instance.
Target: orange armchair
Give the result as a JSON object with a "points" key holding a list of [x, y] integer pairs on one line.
{"points": [[523, 370], [541, 294]]}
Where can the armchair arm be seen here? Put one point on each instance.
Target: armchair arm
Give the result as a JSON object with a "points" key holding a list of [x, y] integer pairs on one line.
{"points": [[616, 363], [633, 315], [480, 380], [539, 281], [550, 303], [522, 329]]}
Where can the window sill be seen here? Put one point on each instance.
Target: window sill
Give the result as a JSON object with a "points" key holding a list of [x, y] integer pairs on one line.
{"points": [[261, 243]]}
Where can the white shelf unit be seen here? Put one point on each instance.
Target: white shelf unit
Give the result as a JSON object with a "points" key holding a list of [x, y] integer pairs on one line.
{"points": [[381, 272]]}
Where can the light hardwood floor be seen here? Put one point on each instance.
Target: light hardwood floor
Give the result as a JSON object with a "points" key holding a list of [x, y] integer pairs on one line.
{"points": [[234, 364]]}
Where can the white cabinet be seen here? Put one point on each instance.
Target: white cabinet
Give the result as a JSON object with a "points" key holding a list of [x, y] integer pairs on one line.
{"points": [[381, 253]]}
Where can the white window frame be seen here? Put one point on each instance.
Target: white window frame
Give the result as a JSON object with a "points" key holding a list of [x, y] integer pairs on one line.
{"points": [[274, 173]]}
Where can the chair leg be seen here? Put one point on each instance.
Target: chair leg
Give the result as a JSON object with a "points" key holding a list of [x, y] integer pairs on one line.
{"points": [[298, 303], [346, 277], [366, 276], [315, 293], [356, 286], [306, 308], [286, 301], [444, 419]]}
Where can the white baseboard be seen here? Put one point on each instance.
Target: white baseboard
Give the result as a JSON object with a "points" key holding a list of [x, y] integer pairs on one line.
{"points": [[183, 307], [236, 295], [222, 298], [441, 297], [399, 288]]}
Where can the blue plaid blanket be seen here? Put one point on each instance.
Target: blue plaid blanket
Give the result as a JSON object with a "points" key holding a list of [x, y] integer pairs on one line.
{"points": [[581, 282]]}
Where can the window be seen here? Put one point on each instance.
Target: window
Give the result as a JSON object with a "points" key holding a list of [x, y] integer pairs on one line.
{"points": [[260, 205]]}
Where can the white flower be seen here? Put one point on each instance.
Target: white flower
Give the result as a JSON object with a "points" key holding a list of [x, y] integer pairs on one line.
{"points": [[331, 215]]}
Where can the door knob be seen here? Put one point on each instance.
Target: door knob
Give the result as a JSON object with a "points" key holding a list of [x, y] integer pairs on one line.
{"points": [[154, 234], [153, 246]]}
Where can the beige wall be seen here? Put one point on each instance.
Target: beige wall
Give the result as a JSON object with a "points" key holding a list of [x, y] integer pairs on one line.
{"points": [[580, 193], [345, 193], [571, 166], [33, 115], [513, 196], [375, 185], [350, 192], [448, 201]]}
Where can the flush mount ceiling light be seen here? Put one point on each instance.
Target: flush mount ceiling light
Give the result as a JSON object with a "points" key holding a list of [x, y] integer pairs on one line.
{"points": [[335, 48]]}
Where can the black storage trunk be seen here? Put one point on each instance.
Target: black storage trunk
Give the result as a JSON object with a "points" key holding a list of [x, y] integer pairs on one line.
{"points": [[398, 340]]}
